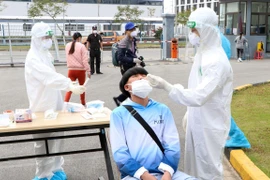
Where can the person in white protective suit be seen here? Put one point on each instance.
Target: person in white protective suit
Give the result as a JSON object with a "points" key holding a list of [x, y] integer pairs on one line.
{"points": [[208, 98], [43, 85]]}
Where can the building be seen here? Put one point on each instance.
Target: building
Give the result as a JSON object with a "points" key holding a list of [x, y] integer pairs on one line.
{"points": [[80, 15], [184, 5], [251, 18]]}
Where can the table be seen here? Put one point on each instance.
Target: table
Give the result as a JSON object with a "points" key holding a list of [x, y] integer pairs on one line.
{"points": [[64, 122]]}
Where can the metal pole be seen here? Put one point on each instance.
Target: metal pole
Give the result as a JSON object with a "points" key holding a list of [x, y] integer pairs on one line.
{"points": [[98, 16], [10, 48], [4, 40]]}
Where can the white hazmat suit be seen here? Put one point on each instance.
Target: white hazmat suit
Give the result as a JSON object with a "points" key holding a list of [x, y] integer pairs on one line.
{"points": [[208, 99], [43, 86]]}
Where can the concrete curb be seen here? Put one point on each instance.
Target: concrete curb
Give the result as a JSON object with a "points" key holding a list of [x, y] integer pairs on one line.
{"points": [[239, 160]]}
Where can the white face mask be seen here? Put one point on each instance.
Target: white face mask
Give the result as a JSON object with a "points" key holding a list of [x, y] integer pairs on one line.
{"points": [[133, 34], [194, 39], [95, 32], [46, 44], [141, 88]]}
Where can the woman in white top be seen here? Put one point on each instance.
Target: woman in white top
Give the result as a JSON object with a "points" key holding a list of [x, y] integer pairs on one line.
{"points": [[240, 41]]}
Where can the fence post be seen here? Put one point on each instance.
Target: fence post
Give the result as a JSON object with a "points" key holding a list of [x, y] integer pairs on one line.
{"points": [[3, 29], [57, 58], [10, 48]]}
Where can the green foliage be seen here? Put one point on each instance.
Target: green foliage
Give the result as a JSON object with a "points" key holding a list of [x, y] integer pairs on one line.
{"points": [[158, 32], [182, 17], [126, 14], [2, 5], [47, 7]]}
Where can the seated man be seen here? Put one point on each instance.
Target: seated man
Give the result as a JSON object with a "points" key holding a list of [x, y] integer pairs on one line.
{"points": [[136, 154]]}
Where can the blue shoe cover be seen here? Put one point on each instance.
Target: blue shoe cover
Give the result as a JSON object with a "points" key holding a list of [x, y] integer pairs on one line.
{"points": [[59, 175], [237, 137]]}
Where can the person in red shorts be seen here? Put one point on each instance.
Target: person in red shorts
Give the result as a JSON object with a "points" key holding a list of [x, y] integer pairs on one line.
{"points": [[77, 63]]}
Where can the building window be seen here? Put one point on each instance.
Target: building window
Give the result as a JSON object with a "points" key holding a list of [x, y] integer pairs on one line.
{"points": [[243, 10], [112, 27], [257, 24], [201, 0], [232, 7], [74, 27], [194, 6], [201, 5], [188, 7], [188, 1], [177, 2], [209, 5], [182, 8], [80, 27], [258, 18], [258, 7], [216, 7], [194, 1], [182, 1], [222, 18], [27, 27], [231, 23]]}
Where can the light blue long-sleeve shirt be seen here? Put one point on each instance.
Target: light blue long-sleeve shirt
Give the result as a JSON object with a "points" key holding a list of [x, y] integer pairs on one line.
{"points": [[133, 149]]}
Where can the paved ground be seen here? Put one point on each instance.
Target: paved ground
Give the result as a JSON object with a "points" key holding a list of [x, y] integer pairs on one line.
{"points": [[91, 165]]}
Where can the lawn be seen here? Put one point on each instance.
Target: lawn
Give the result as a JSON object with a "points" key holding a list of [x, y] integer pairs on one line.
{"points": [[61, 47], [251, 111]]}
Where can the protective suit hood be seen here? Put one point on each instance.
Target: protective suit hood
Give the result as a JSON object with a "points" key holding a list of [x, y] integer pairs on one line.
{"points": [[38, 31], [205, 21]]}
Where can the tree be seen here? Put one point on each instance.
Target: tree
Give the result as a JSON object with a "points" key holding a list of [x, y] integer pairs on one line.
{"points": [[158, 33], [126, 13], [151, 13], [182, 17], [51, 8], [2, 5]]}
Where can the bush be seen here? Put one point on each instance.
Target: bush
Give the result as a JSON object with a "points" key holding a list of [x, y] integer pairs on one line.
{"points": [[158, 32]]}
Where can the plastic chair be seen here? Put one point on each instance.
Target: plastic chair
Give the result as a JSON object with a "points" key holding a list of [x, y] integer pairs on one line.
{"points": [[258, 55]]}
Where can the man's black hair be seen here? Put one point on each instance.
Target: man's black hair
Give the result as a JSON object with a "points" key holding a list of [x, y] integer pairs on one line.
{"points": [[127, 75]]}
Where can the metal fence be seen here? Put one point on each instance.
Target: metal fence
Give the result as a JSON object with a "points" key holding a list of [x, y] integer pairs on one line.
{"points": [[15, 41]]}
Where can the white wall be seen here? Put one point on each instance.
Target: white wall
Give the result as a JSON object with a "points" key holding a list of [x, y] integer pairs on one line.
{"points": [[77, 10]]}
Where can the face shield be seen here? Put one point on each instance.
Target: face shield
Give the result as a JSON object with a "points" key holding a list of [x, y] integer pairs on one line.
{"points": [[205, 21], [192, 42]]}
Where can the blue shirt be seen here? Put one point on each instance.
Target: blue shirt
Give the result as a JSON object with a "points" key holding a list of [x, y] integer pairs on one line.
{"points": [[133, 147]]}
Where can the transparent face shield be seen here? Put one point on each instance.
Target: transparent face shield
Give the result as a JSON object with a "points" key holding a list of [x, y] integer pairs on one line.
{"points": [[190, 50]]}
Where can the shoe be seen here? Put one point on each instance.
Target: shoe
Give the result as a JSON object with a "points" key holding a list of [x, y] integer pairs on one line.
{"points": [[92, 73], [239, 60], [117, 102], [99, 73]]}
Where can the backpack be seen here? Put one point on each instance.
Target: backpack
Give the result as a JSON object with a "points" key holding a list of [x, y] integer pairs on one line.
{"points": [[114, 54]]}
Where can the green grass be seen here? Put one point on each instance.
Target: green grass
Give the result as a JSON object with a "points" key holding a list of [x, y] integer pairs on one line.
{"points": [[22, 48], [61, 47], [251, 111]]}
